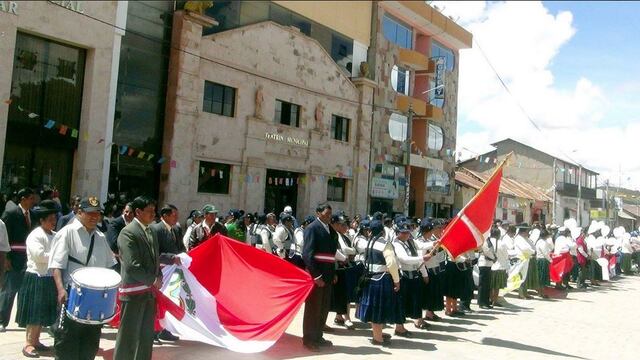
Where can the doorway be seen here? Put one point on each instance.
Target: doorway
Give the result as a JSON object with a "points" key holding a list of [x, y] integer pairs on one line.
{"points": [[281, 189]]}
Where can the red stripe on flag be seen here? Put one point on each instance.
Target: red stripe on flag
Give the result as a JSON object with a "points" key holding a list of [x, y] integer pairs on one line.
{"points": [[257, 294], [457, 237]]}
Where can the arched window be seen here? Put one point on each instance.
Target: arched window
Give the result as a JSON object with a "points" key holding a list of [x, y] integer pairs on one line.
{"points": [[398, 127], [435, 140], [438, 181]]}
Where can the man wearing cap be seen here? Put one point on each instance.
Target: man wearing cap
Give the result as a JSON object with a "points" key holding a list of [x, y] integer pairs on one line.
{"points": [[207, 228], [19, 222], [285, 242], [318, 253], [77, 245], [289, 210]]}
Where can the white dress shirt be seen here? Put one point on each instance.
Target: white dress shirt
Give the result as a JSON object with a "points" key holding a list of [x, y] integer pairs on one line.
{"points": [[38, 250]]}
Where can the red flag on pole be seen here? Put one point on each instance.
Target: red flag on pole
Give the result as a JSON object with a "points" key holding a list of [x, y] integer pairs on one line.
{"points": [[468, 229]]}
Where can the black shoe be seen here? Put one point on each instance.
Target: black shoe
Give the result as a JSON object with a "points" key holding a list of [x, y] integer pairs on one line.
{"points": [[324, 342], [30, 354], [384, 342], [486, 307], [43, 348], [386, 337], [167, 336], [156, 340], [404, 334]]}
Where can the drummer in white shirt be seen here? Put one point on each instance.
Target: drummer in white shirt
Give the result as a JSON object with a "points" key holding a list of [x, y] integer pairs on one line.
{"points": [[77, 245]]}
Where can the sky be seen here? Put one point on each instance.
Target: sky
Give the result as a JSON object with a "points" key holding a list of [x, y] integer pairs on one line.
{"points": [[574, 67]]}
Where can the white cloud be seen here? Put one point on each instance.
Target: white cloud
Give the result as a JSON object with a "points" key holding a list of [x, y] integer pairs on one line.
{"points": [[521, 40]]}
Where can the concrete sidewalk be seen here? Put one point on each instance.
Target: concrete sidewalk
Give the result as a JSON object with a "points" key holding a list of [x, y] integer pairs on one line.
{"points": [[598, 323]]}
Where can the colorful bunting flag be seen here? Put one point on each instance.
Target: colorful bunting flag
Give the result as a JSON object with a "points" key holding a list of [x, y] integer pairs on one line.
{"points": [[131, 151], [74, 133], [173, 164], [141, 155], [151, 156], [123, 149], [32, 115], [50, 124], [161, 160], [63, 129]]}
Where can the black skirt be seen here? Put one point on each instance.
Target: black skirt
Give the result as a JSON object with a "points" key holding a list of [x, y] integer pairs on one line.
{"points": [[432, 296], [455, 281], [352, 275], [379, 303], [36, 301], [339, 298], [411, 293]]}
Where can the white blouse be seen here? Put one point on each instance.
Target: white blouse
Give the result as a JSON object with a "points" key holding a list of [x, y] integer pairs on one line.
{"points": [[38, 250]]}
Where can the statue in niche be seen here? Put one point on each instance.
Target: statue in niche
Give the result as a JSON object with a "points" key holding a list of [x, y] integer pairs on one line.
{"points": [[319, 115], [364, 69], [259, 101]]}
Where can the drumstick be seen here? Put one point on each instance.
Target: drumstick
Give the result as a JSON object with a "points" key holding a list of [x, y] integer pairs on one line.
{"points": [[62, 316]]}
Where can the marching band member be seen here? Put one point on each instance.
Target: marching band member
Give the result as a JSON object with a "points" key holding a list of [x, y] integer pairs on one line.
{"points": [[72, 250], [380, 302], [285, 241], [346, 282], [413, 274], [435, 265]]}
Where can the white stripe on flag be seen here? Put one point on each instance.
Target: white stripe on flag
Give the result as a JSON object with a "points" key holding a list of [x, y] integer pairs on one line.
{"points": [[477, 235]]}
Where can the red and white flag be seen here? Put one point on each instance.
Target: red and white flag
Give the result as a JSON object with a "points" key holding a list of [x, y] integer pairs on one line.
{"points": [[231, 295], [471, 226]]}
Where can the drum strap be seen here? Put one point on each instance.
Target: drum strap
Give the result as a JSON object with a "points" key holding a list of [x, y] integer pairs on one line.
{"points": [[72, 259]]}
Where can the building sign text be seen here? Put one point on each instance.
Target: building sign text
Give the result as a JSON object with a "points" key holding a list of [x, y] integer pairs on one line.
{"points": [[286, 139], [71, 5], [10, 7]]}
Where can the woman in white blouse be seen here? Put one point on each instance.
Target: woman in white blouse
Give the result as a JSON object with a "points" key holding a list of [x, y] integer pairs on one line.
{"points": [[37, 295]]}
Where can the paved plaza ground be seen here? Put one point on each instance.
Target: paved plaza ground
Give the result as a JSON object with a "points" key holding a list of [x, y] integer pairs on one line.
{"points": [[599, 323]]}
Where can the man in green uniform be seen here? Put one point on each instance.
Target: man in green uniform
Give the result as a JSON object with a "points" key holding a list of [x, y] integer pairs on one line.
{"points": [[139, 254]]}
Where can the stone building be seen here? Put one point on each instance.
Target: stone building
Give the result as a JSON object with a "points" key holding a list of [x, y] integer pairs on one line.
{"points": [[414, 55], [261, 115], [58, 73], [573, 190]]}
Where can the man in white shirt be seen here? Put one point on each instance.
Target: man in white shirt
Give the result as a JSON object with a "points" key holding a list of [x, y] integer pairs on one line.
{"points": [[77, 245]]}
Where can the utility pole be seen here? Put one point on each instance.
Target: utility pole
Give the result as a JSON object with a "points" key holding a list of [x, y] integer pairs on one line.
{"points": [[407, 172], [579, 212], [555, 190]]}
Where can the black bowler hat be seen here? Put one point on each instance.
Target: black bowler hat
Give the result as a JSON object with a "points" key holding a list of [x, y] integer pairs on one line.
{"points": [[46, 208]]}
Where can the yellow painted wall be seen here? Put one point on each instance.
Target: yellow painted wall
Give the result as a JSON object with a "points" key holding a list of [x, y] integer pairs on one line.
{"points": [[351, 18]]}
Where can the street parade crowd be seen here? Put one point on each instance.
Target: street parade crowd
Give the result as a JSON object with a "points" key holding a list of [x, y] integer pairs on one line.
{"points": [[391, 267]]}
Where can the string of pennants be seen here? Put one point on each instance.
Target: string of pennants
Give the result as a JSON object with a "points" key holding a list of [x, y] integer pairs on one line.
{"points": [[66, 130]]}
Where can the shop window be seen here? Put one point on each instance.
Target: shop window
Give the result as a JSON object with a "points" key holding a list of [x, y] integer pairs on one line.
{"points": [[397, 32], [439, 50], [400, 80], [436, 138], [214, 178], [287, 113], [336, 189], [219, 99], [438, 181], [340, 128]]}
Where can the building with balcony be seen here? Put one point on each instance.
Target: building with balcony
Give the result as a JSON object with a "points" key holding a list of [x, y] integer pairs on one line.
{"points": [[414, 59], [572, 186]]}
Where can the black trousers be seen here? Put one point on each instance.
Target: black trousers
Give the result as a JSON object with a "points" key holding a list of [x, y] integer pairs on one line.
{"points": [[76, 341], [316, 309], [467, 293], [136, 332], [484, 287], [12, 283]]}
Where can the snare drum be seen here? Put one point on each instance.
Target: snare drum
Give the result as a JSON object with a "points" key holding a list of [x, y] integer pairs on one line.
{"points": [[92, 296]]}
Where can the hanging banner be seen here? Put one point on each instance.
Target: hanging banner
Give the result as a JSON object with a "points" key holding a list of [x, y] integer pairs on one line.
{"points": [[439, 88]]}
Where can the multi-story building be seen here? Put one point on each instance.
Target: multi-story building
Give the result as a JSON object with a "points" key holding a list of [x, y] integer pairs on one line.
{"points": [[414, 55], [571, 186]]}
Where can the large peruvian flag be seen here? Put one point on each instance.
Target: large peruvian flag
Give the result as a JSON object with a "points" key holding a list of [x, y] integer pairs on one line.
{"points": [[469, 228], [229, 294]]}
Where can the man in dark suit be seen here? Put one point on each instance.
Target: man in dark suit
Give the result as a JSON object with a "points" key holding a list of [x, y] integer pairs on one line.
{"points": [[318, 253], [19, 222], [115, 226], [75, 206], [140, 271], [170, 243]]}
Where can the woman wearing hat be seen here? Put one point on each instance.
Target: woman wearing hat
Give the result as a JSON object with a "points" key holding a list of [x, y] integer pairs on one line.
{"points": [[414, 274], [345, 283], [380, 302], [433, 296], [37, 295]]}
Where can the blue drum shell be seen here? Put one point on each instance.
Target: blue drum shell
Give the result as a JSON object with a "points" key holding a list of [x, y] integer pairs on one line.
{"points": [[91, 306]]}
